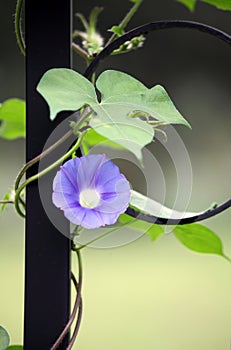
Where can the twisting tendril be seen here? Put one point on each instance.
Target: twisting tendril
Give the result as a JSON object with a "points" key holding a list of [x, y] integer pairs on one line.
{"points": [[78, 306]]}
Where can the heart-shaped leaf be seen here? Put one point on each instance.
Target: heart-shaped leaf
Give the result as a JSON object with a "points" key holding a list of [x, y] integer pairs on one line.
{"points": [[121, 95]]}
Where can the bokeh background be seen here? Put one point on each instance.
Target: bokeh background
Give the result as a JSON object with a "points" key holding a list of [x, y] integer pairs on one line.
{"points": [[144, 295]]}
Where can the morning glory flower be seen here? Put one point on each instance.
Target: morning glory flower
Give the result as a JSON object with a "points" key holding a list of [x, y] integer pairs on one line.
{"points": [[91, 191]]}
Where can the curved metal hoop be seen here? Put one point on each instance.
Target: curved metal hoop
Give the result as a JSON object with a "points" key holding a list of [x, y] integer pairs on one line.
{"points": [[149, 27], [144, 30]]}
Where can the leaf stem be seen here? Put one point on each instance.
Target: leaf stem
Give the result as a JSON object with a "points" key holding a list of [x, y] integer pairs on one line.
{"points": [[226, 258], [81, 52], [6, 202], [126, 20], [18, 27], [105, 234], [39, 157], [45, 171], [35, 160]]}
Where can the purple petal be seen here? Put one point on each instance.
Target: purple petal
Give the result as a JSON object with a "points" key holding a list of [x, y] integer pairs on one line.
{"points": [[84, 217], [62, 183], [109, 219], [75, 215], [107, 172], [87, 169], [69, 172], [117, 185], [119, 204], [64, 201]]}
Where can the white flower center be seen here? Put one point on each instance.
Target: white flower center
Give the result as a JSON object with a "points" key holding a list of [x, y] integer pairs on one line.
{"points": [[89, 198]]}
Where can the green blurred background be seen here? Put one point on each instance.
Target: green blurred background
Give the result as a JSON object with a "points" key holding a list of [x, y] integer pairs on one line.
{"points": [[144, 295]]}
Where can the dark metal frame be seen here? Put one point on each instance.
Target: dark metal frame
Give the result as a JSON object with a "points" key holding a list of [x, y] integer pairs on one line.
{"points": [[47, 270]]}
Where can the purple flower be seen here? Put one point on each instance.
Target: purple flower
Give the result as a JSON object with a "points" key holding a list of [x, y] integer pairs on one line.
{"points": [[91, 191]]}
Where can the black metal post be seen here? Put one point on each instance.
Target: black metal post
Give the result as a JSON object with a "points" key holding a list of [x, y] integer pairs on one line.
{"points": [[47, 272]]}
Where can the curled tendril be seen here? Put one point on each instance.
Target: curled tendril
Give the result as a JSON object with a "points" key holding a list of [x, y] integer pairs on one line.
{"points": [[77, 309], [79, 316], [144, 30]]}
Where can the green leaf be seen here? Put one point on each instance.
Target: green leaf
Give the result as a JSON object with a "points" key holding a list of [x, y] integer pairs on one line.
{"points": [[149, 206], [15, 347], [190, 4], [92, 138], [126, 94], [116, 30], [199, 239], [13, 117], [220, 4], [132, 134], [4, 339], [65, 89], [155, 231]]}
